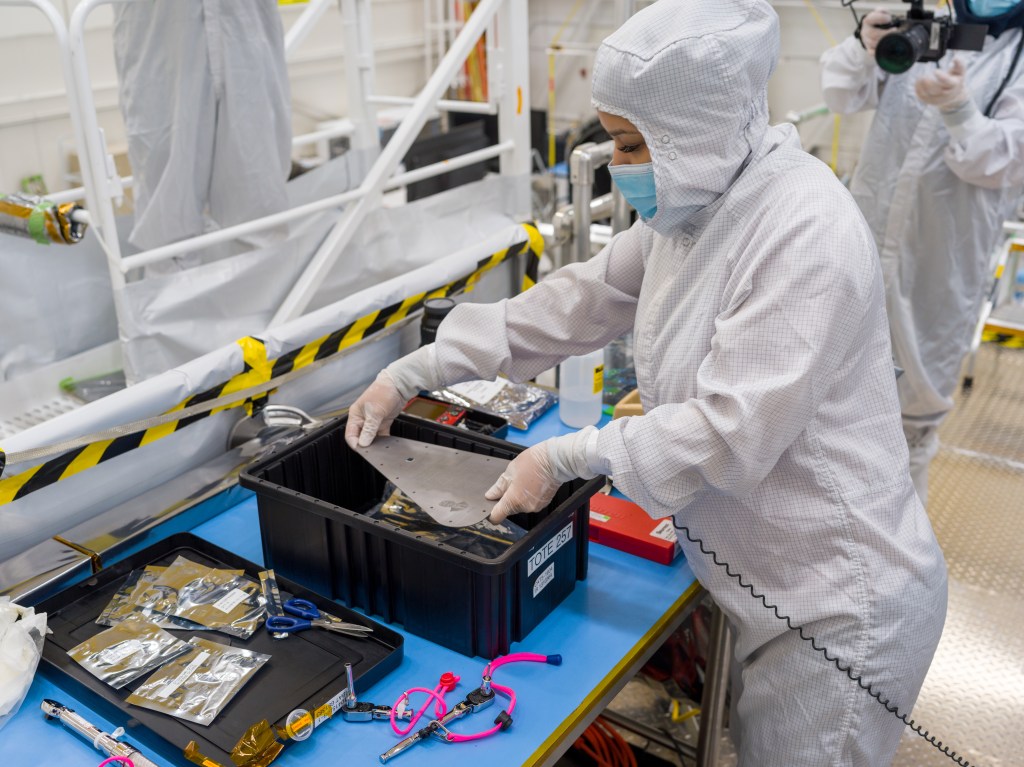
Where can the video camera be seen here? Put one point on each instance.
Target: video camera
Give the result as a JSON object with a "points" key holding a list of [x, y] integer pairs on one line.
{"points": [[922, 36]]}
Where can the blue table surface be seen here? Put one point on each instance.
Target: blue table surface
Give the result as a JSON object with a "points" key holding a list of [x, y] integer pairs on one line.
{"points": [[607, 620]]}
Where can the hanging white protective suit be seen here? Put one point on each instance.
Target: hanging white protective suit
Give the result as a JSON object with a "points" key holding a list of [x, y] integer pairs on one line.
{"points": [[205, 98], [772, 425], [935, 203]]}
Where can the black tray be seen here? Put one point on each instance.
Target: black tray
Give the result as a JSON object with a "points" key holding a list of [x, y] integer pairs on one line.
{"points": [[305, 670]]}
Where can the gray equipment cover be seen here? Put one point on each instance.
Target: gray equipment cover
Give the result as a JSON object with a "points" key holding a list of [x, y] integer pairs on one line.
{"points": [[447, 484]]}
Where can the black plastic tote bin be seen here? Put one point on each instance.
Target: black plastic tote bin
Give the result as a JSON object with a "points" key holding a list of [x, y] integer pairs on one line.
{"points": [[312, 497]]}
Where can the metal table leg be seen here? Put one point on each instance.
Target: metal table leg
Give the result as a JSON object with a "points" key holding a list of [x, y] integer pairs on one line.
{"points": [[716, 682]]}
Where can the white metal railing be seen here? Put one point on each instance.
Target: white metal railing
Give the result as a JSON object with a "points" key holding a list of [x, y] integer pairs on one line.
{"points": [[505, 21], [513, 131], [302, 211], [342, 127], [303, 25], [447, 105]]}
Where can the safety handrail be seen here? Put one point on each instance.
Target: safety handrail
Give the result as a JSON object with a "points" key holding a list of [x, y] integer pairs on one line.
{"points": [[380, 177]]}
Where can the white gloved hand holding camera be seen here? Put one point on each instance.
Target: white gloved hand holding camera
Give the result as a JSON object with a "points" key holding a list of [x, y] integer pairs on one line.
{"points": [[870, 33]]}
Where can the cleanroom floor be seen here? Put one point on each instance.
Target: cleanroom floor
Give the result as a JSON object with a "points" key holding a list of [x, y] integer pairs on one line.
{"points": [[973, 698]]}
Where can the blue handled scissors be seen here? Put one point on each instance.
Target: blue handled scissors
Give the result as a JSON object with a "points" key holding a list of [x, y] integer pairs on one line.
{"points": [[309, 616]]}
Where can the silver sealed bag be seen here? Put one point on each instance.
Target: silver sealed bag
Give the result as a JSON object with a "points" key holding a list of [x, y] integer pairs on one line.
{"points": [[198, 685], [127, 651], [126, 603], [222, 600]]}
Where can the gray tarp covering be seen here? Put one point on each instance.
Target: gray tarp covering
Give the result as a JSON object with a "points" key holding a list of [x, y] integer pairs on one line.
{"points": [[173, 318], [71, 501]]}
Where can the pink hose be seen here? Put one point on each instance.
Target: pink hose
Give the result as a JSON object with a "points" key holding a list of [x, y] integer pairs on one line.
{"points": [[515, 657], [491, 667], [507, 692], [447, 683], [122, 759]]}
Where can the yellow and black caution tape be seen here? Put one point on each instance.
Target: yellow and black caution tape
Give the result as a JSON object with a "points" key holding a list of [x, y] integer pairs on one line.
{"points": [[1006, 337], [258, 373]]}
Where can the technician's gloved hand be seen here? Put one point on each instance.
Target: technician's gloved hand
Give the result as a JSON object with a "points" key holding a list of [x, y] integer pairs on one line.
{"points": [[869, 32], [944, 89], [384, 399], [532, 479]]}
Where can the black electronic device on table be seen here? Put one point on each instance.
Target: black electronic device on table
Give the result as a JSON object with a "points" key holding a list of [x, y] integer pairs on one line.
{"points": [[304, 672], [448, 414], [435, 410]]}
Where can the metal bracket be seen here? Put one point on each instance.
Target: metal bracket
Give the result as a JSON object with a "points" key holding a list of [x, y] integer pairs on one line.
{"points": [[270, 417]]}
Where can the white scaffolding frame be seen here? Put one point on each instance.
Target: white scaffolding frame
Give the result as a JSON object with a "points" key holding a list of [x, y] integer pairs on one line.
{"points": [[506, 25]]}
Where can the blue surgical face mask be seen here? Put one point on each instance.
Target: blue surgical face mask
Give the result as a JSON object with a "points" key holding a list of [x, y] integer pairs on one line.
{"points": [[991, 8], [636, 182]]}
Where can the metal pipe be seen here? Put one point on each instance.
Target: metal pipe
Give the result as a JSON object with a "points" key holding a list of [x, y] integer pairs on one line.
{"points": [[359, 74], [446, 105], [99, 193], [303, 25], [600, 207], [561, 224], [621, 218], [446, 166], [585, 159], [648, 733], [716, 682], [232, 232], [581, 176], [350, 693], [600, 234], [344, 127], [512, 89]]}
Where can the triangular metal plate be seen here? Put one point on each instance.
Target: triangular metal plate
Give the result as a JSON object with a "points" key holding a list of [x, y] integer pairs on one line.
{"points": [[447, 484]]}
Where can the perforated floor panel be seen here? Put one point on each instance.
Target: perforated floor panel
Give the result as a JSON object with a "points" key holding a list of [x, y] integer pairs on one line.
{"points": [[973, 698]]}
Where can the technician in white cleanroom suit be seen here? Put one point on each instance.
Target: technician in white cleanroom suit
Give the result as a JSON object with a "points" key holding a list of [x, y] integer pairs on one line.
{"points": [[772, 425], [205, 97], [941, 169]]}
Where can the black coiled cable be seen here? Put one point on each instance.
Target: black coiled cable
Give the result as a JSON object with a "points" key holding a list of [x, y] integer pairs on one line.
{"points": [[834, 660]]}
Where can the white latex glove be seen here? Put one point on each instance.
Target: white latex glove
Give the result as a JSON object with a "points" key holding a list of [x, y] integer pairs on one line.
{"points": [[532, 479], [944, 89], [869, 32], [374, 411], [383, 400]]}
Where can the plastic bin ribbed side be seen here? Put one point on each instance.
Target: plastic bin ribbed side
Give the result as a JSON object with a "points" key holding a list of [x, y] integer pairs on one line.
{"points": [[312, 497]]}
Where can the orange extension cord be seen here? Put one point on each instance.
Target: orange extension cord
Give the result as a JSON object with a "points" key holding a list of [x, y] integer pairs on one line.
{"points": [[605, 746]]}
